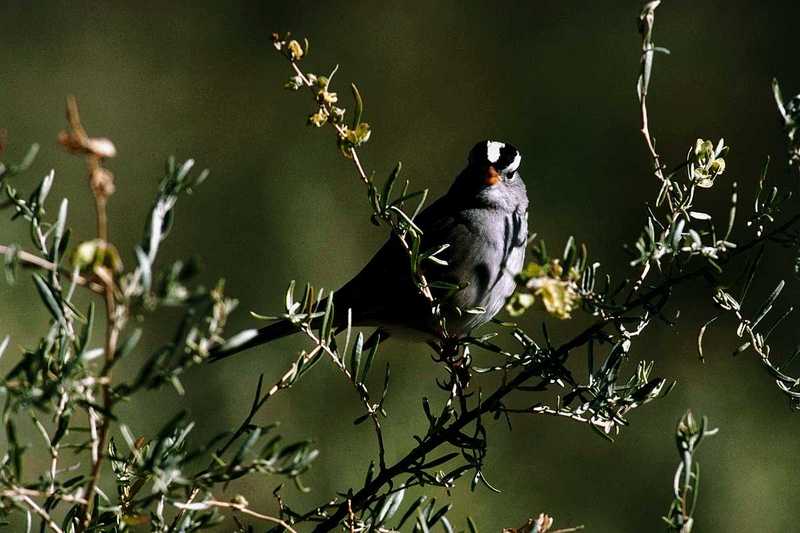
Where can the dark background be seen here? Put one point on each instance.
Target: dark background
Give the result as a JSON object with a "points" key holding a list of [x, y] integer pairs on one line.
{"points": [[556, 78]]}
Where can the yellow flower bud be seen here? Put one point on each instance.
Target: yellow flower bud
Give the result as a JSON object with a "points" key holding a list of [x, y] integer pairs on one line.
{"points": [[295, 50]]}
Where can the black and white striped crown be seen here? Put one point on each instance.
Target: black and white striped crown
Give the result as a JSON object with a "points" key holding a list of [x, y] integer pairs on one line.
{"points": [[504, 157]]}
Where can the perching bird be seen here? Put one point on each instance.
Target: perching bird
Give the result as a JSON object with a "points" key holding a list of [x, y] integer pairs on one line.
{"points": [[483, 218]]}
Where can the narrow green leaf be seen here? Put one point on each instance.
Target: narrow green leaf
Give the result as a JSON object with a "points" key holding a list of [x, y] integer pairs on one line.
{"points": [[26, 162], [61, 428], [776, 92], [246, 446], [4, 344], [355, 356], [700, 337], [766, 307], [359, 109], [439, 514], [373, 342], [327, 320], [10, 264], [86, 332], [61, 223], [44, 189], [570, 251], [390, 506], [410, 511], [186, 167], [370, 473], [290, 298], [732, 211], [677, 233], [386, 376], [144, 267], [446, 525], [406, 219], [128, 344], [49, 298], [386, 195], [422, 523]]}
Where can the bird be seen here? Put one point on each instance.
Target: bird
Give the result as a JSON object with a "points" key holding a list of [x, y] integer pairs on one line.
{"points": [[483, 220]]}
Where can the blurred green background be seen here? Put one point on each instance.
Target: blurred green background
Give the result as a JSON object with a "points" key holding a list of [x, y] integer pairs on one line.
{"points": [[556, 78]]}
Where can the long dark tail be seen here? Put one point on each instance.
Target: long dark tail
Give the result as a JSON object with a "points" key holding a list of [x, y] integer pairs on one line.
{"points": [[250, 338]]}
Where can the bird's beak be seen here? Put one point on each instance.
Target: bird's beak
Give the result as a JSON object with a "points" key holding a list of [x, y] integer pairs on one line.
{"points": [[492, 176]]}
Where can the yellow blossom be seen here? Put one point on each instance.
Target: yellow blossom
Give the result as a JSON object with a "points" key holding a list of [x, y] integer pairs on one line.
{"points": [[319, 118], [324, 96], [557, 290], [558, 296], [295, 50]]}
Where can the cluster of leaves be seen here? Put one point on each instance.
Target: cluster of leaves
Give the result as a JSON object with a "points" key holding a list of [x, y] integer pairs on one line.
{"points": [[558, 282], [790, 113], [349, 137], [756, 337], [683, 232], [162, 466], [689, 433], [63, 383]]}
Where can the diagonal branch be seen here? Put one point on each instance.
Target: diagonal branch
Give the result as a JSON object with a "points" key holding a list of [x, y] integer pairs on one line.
{"points": [[360, 499]]}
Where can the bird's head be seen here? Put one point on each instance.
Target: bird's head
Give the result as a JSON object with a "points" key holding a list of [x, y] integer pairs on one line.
{"points": [[493, 162], [492, 173]]}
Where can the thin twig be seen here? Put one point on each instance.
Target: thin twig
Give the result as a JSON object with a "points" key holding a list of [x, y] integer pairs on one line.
{"points": [[17, 492], [30, 260], [101, 187], [238, 507], [372, 410], [647, 20], [421, 280], [42, 513]]}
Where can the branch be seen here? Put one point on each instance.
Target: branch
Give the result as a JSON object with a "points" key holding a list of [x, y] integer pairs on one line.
{"points": [[30, 260], [101, 183], [494, 401], [240, 507], [646, 21]]}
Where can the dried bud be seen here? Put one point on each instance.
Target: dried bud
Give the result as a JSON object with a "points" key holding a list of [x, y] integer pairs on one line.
{"points": [[337, 114], [72, 142], [78, 144], [101, 147], [102, 182], [352, 138], [84, 254], [240, 501], [294, 83], [324, 96], [97, 254]]}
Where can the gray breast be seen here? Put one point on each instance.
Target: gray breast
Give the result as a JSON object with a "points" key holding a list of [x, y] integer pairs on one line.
{"points": [[488, 264]]}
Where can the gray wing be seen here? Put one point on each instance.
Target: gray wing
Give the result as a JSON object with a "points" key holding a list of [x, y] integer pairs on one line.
{"points": [[383, 293], [486, 252]]}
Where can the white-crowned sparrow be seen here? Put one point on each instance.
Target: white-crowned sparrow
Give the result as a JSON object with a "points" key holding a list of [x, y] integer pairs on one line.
{"points": [[484, 220]]}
